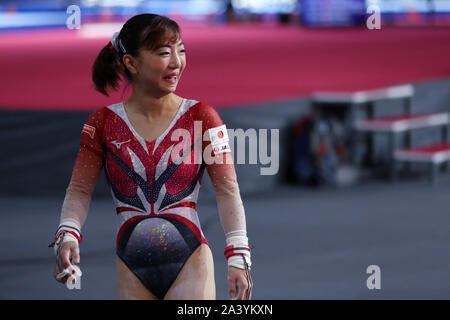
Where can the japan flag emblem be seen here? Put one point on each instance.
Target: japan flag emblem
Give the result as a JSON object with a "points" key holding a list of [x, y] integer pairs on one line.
{"points": [[219, 139], [90, 130]]}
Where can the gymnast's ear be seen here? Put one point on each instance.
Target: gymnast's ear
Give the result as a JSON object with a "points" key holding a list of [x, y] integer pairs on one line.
{"points": [[131, 63]]}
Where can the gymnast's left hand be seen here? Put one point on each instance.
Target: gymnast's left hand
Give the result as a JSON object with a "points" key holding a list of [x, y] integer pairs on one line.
{"points": [[240, 284]]}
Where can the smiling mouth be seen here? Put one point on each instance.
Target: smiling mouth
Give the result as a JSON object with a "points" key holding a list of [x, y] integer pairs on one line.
{"points": [[171, 80]]}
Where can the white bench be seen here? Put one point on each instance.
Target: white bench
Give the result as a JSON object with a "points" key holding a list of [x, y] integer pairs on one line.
{"points": [[394, 126], [434, 155], [349, 103], [366, 96], [402, 123]]}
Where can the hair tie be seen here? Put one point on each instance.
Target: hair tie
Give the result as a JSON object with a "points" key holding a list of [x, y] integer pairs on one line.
{"points": [[111, 49], [114, 43]]}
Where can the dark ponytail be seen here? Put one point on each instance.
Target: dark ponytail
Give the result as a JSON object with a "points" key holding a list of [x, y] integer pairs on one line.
{"points": [[105, 71], [141, 31]]}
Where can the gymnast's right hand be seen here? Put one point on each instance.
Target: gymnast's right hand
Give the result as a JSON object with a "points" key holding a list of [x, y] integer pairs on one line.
{"points": [[67, 253]]}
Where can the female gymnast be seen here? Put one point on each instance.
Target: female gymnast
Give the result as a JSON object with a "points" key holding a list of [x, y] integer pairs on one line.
{"points": [[154, 148]]}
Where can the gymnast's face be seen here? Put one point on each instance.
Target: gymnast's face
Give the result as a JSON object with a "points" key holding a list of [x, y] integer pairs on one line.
{"points": [[159, 70]]}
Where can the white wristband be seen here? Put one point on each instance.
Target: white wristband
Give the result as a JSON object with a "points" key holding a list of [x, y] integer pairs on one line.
{"points": [[71, 223], [241, 258], [238, 261], [66, 237], [68, 224]]}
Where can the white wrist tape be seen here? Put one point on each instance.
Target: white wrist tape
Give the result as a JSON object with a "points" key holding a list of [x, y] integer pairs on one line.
{"points": [[68, 230], [237, 252], [237, 233]]}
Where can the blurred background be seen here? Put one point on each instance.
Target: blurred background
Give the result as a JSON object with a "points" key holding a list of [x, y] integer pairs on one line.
{"points": [[358, 91]]}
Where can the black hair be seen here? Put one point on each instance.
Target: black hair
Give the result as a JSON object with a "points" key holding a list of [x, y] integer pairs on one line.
{"points": [[147, 31]]}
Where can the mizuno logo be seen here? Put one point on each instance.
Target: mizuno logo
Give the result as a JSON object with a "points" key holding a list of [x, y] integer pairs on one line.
{"points": [[119, 144]]}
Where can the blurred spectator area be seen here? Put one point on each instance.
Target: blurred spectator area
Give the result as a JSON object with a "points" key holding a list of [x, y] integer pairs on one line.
{"points": [[309, 13]]}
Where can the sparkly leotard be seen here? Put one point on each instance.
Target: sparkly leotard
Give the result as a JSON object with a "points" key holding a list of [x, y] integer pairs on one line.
{"points": [[154, 184]]}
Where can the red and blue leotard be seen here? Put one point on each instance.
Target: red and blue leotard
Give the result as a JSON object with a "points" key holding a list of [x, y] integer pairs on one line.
{"points": [[154, 191]]}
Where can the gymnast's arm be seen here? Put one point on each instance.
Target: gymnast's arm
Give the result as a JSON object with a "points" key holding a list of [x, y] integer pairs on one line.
{"points": [[232, 217], [85, 174], [229, 202], [222, 173]]}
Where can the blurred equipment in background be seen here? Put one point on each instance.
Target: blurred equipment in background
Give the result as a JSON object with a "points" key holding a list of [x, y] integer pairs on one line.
{"points": [[320, 152], [397, 126]]}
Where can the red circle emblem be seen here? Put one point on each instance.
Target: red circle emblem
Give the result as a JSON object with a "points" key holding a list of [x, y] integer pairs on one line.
{"points": [[220, 134]]}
